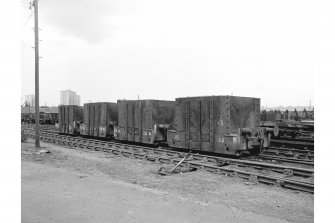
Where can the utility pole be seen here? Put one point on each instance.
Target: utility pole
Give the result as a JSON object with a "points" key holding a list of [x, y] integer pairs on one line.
{"points": [[37, 95]]}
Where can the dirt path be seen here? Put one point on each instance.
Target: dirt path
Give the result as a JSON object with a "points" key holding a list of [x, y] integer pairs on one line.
{"points": [[72, 185]]}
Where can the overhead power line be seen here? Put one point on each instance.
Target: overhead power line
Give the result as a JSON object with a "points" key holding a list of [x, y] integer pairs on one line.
{"points": [[27, 20]]}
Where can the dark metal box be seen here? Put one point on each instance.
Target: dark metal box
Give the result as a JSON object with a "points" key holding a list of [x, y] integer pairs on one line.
{"points": [[99, 119], [214, 123], [84, 126], [50, 118], [70, 117], [144, 121]]}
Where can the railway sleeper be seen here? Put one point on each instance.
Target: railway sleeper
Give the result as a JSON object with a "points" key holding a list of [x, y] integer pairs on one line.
{"points": [[220, 170]]}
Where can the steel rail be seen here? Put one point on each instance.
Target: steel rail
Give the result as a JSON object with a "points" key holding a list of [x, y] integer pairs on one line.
{"points": [[295, 171], [213, 159], [173, 157], [292, 142], [291, 150], [286, 159], [289, 155]]}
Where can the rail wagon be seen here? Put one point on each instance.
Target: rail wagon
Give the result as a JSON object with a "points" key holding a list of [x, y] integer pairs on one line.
{"points": [[219, 124], [48, 118], [28, 118], [70, 118], [144, 121], [47, 115], [51, 118], [99, 119]]}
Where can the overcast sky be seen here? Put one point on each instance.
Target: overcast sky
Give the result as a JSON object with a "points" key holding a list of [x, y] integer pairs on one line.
{"points": [[107, 50]]}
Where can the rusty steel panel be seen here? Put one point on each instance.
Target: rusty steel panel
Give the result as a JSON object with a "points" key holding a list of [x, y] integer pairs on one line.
{"points": [[84, 126], [144, 120], [86, 114], [130, 121], [68, 122], [109, 113], [64, 120], [212, 123], [91, 119], [103, 114], [244, 112], [68, 114], [101, 118], [60, 118], [96, 108]]}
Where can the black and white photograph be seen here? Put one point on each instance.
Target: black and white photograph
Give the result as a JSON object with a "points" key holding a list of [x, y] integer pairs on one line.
{"points": [[169, 111]]}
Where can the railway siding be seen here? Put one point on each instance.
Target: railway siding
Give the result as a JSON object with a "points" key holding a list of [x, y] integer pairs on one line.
{"points": [[280, 175]]}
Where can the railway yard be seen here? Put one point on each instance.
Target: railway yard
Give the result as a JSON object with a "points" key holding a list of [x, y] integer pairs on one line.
{"points": [[194, 153], [276, 184], [292, 173], [195, 159], [170, 111]]}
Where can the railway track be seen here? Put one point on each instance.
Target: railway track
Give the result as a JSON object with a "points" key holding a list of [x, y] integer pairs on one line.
{"points": [[288, 155], [280, 175], [302, 139], [282, 159], [294, 144], [299, 154]]}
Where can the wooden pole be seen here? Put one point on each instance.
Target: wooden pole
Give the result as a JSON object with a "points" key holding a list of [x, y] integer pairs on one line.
{"points": [[37, 104]]}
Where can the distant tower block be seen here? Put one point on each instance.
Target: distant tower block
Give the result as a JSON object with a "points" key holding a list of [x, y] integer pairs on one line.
{"points": [[69, 97], [30, 100]]}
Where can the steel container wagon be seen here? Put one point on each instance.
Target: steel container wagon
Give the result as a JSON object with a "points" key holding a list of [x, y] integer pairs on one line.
{"points": [[70, 118], [99, 119], [218, 124], [144, 121]]}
